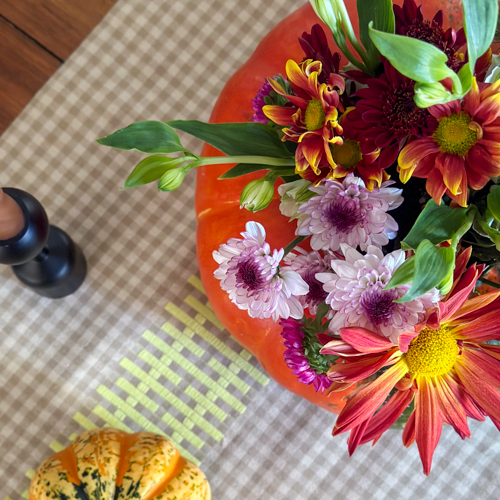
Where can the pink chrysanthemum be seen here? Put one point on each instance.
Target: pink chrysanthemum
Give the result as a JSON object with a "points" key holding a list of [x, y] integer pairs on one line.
{"points": [[302, 355], [346, 212], [307, 265], [356, 294], [251, 275]]}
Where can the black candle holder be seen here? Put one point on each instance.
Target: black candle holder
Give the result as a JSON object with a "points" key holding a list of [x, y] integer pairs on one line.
{"points": [[42, 256]]}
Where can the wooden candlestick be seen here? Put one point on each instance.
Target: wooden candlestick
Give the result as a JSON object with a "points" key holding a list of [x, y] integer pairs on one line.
{"points": [[43, 257]]}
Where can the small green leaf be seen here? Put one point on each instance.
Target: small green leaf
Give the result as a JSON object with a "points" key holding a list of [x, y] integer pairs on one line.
{"points": [[404, 274], [432, 269], [237, 139], [493, 201], [382, 15], [247, 168], [416, 59], [436, 223], [147, 136], [480, 20], [151, 169]]}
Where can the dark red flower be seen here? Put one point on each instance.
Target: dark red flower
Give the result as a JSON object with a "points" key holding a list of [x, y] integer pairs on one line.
{"points": [[410, 22]]}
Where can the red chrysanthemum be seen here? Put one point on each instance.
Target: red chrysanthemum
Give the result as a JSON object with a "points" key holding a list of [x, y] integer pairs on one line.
{"points": [[386, 114], [410, 22], [464, 149], [312, 120]]}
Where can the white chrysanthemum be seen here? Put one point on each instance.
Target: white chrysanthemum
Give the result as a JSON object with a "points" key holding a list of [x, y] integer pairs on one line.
{"points": [[251, 275], [356, 294], [307, 265], [346, 212]]}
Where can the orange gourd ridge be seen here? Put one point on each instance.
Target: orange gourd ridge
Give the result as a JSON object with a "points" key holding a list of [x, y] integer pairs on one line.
{"points": [[111, 464], [217, 202]]}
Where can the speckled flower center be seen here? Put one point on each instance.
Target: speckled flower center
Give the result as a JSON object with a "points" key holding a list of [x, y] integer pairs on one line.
{"points": [[454, 136], [378, 305], [248, 275], [344, 214], [347, 155], [315, 115], [432, 353]]}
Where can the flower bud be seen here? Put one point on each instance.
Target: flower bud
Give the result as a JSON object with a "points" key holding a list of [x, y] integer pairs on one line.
{"points": [[257, 194], [293, 194], [493, 73], [430, 94], [172, 179]]}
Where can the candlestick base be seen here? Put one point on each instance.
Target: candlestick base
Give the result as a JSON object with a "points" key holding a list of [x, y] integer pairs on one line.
{"points": [[58, 270], [43, 257]]}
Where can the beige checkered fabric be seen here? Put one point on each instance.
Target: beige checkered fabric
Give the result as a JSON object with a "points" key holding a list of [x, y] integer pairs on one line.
{"points": [[63, 362]]}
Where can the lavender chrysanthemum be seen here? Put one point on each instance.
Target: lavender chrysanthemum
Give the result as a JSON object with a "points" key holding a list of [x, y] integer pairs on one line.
{"points": [[347, 212], [307, 265], [356, 294], [251, 275], [258, 103], [297, 360]]}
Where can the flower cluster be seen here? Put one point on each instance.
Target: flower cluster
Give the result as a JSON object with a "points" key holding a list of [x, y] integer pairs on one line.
{"points": [[387, 169], [358, 305]]}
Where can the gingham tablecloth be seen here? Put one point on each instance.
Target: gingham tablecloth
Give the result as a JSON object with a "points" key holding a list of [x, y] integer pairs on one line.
{"points": [[138, 347]]}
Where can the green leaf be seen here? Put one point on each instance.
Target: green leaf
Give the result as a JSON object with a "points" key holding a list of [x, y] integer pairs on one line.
{"points": [[237, 139], [151, 169], [416, 59], [382, 15], [248, 168], [493, 201], [403, 274], [436, 223], [480, 20], [432, 269], [147, 136]]}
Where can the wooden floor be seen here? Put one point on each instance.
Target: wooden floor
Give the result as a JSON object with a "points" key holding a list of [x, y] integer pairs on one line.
{"points": [[36, 37]]}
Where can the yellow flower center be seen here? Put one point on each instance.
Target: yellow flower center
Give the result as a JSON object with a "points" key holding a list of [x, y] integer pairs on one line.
{"points": [[315, 115], [347, 155], [432, 353], [454, 136]]}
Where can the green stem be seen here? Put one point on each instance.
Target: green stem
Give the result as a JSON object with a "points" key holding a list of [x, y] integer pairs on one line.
{"points": [[484, 281], [293, 244], [259, 160]]}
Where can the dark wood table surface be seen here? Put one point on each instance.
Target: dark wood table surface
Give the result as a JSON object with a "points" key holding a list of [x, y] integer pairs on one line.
{"points": [[36, 37]]}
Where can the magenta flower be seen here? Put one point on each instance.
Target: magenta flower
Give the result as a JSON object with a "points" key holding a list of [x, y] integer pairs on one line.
{"points": [[250, 274], [347, 212], [302, 355], [356, 294], [258, 102]]}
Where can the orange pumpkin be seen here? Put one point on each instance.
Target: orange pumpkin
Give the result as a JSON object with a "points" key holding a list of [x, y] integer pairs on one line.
{"points": [[217, 202], [111, 464]]}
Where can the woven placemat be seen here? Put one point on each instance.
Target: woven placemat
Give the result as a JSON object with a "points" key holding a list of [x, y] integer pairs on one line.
{"points": [[138, 347]]}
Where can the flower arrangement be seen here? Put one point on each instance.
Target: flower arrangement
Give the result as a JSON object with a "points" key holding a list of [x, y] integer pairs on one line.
{"points": [[388, 168]]}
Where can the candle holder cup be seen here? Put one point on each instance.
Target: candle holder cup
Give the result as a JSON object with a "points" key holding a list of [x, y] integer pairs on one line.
{"points": [[42, 256]]}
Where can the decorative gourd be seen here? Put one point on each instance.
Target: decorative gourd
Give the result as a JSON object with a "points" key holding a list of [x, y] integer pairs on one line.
{"points": [[217, 201], [108, 464]]}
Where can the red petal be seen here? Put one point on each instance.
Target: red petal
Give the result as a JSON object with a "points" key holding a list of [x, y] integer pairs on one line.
{"points": [[366, 401], [451, 410], [428, 422], [388, 155], [477, 383], [453, 169], [387, 415], [482, 329], [412, 153], [468, 404], [479, 306], [340, 348], [358, 369], [280, 115], [409, 431], [435, 186], [488, 110], [404, 340], [364, 340], [356, 436]]}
